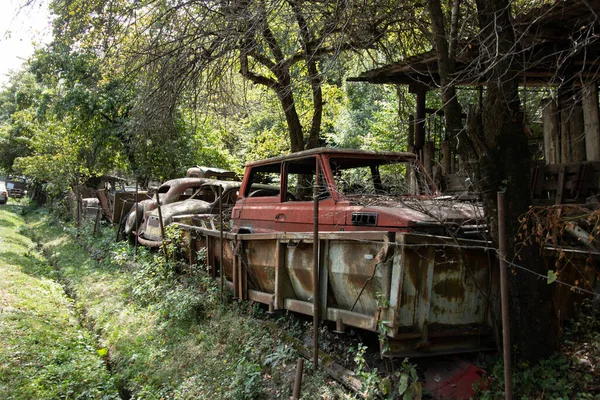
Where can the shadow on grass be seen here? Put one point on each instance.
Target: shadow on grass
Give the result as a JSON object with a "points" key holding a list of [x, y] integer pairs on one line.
{"points": [[4, 223], [28, 264], [13, 208]]}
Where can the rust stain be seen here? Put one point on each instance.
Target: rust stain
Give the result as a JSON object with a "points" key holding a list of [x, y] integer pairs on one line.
{"points": [[451, 289]]}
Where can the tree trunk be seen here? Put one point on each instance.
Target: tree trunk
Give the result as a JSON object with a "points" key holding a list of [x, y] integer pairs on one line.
{"points": [[291, 116], [445, 49], [505, 164]]}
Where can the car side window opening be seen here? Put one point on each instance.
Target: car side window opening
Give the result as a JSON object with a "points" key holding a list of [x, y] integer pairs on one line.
{"points": [[300, 178], [261, 175], [207, 194]]}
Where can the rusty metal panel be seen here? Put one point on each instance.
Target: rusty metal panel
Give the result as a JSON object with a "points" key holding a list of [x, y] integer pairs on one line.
{"points": [[355, 276], [261, 259], [353, 319], [408, 296], [440, 287], [299, 266], [458, 295]]}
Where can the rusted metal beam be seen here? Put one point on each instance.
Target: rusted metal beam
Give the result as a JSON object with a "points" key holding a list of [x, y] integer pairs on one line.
{"points": [[316, 280], [298, 380], [504, 297]]}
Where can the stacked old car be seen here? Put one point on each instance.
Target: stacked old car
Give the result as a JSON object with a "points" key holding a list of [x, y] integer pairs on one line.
{"points": [[394, 256]]}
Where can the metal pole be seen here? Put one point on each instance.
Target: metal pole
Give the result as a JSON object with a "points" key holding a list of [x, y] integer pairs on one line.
{"points": [[120, 222], [221, 265], [162, 228], [298, 381], [504, 297], [316, 286]]}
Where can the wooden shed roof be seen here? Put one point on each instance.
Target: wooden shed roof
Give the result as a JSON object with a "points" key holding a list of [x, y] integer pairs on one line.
{"points": [[556, 43]]}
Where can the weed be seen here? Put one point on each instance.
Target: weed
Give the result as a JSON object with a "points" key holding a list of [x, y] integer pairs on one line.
{"points": [[569, 374]]}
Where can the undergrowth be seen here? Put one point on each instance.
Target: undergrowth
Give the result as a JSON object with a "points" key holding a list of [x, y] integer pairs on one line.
{"points": [[571, 373], [162, 327]]}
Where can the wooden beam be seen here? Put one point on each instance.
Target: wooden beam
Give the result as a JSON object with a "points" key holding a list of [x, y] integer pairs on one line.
{"points": [[550, 125], [577, 133], [591, 121]]}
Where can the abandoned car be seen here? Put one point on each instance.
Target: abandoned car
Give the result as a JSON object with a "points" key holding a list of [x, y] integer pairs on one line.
{"points": [[357, 190], [169, 192], [17, 186], [203, 205], [3, 193], [210, 172]]}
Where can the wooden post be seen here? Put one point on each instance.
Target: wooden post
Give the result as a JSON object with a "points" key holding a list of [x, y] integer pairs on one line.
{"points": [[446, 156], [591, 121], [550, 125], [221, 262], [162, 227], [411, 132], [298, 380], [421, 92], [97, 219], [565, 104], [577, 132], [409, 174], [137, 228], [428, 157], [316, 288], [504, 296]]}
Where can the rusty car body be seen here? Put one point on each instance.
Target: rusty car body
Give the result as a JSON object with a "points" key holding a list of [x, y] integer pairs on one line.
{"points": [[394, 257], [16, 186], [423, 294], [169, 192], [3, 193], [199, 171], [358, 190]]}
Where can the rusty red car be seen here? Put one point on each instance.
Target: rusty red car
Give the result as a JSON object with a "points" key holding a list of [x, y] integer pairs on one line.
{"points": [[357, 190]]}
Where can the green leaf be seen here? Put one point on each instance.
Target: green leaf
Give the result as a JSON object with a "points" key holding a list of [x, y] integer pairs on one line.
{"points": [[403, 384], [103, 352], [551, 276], [385, 386], [408, 394]]}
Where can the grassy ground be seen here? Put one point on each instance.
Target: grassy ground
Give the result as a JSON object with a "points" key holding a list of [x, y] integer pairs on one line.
{"points": [[80, 319], [44, 352], [150, 330]]}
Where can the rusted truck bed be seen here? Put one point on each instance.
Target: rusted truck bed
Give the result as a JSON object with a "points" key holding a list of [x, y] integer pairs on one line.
{"points": [[425, 295]]}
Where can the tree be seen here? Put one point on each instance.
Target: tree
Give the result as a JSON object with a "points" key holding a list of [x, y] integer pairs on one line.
{"points": [[19, 102], [496, 138], [179, 47]]}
